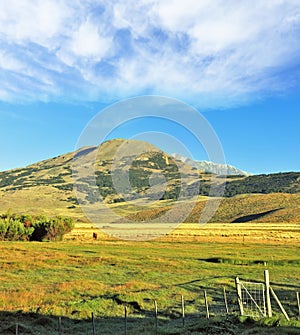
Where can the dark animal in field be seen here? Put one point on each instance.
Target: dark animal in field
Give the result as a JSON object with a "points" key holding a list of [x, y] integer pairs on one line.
{"points": [[95, 236]]}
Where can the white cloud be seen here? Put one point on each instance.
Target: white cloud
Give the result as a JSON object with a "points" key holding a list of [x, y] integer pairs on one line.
{"points": [[182, 15], [37, 21], [87, 42], [220, 51], [9, 62]]}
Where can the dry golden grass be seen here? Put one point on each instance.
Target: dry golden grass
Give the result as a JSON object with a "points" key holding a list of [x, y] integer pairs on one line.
{"points": [[264, 233]]}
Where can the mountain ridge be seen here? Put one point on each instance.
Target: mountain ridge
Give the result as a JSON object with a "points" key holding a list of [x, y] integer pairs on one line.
{"points": [[48, 186], [208, 166]]}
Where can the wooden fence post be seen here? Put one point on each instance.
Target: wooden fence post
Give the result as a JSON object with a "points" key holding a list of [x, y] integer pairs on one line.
{"points": [[279, 304], [268, 297], [59, 325], [125, 319], [206, 305], [298, 303], [239, 295], [225, 300], [93, 324], [156, 317], [17, 329], [183, 311]]}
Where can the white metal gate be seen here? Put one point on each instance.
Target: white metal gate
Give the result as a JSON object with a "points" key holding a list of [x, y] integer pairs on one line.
{"points": [[253, 299]]}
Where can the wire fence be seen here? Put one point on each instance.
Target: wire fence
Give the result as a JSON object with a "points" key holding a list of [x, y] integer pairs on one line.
{"points": [[216, 303], [254, 299]]}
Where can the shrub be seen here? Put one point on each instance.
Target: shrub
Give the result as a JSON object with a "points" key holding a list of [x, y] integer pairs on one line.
{"points": [[14, 230], [24, 227], [51, 229]]}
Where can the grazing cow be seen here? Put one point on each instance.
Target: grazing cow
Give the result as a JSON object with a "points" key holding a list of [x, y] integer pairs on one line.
{"points": [[95, 236]]}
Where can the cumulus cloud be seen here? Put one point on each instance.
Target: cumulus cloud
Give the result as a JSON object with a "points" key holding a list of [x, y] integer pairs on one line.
{"points": [[213, 54]]}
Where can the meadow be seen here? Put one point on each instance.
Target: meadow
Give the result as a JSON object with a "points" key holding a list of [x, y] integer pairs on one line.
{"points": [[78, 276]]}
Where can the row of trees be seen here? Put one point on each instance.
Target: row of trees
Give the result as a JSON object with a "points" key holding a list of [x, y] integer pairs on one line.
{"points": [[28, 228]]}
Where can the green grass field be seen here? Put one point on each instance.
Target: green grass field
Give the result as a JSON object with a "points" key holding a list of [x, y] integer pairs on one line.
{"points": [[41, 281]]}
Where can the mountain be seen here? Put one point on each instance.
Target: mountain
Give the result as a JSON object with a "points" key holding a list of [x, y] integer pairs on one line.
{"points": [[121, 172], [221, 169]]}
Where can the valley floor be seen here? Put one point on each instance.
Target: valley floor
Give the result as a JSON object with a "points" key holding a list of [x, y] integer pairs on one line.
{"points": [[42, 281], [266, 233]]}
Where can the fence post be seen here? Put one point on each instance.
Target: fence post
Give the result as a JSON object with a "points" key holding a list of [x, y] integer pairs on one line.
{"points": [[225, 300], [59, 325], [93, 323], [125, 319], [156, 317], [17, 329], [183, 311], [239, 295], [268, 297], [298, 303], [206, 305], [279, 304]]}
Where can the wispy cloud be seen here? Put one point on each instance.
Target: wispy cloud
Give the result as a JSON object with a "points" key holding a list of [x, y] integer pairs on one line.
{"points": [[213, 53]]}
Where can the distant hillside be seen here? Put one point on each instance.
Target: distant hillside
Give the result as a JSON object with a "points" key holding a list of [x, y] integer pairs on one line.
{"points": [[287, 182], [47, 186], [272, 208]]}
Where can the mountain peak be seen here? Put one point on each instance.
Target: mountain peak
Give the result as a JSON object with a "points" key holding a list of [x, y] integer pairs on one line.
{"points": [[210, 167]]}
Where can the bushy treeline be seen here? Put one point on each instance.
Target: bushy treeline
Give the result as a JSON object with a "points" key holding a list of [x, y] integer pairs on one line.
{"points": [[286, 182], [28, 228]]}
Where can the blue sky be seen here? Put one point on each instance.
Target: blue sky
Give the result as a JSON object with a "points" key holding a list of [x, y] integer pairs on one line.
{"points": [[238, 63]]}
